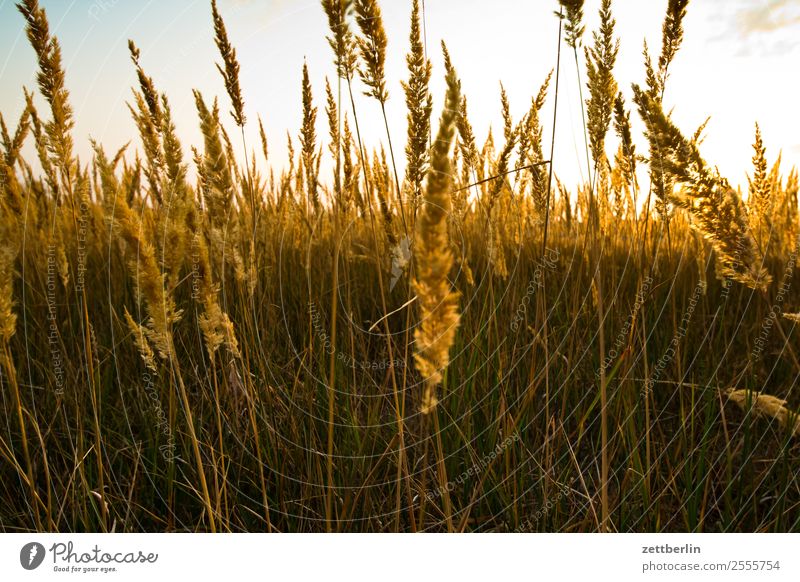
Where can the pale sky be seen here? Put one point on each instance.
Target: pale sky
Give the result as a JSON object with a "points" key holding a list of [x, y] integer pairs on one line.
{"points": [[739, 64]]}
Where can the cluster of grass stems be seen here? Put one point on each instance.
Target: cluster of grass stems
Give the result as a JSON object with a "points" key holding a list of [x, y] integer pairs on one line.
{"points": [[471, 348]]}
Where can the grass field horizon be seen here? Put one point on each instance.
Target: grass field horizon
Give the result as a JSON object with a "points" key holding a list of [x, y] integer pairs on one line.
{"points": [[196, 339]]}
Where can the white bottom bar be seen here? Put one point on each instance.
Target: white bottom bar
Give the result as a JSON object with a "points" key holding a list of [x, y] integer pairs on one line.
{"points": [[354, 557]]}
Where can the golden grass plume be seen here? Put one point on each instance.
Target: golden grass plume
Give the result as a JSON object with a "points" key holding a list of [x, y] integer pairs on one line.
{"points": [[438, 303]]}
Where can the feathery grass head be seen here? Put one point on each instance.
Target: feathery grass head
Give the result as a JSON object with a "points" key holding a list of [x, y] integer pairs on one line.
{"points": [[466, 136], [42, 147], [230, 72], [12, 192], [8, 256], [574, 18], [140, 339], [767, 406], [173, 153], [718, 211], [51, 80], [530, 149], [215, 324], [146, 85], [793, 317], [505, 110], [332, 112], [372, 46], [148, 117], [13, 145], [263, 136], [438, 303], [672, 35], [660, 183], [143, 268], [350, 170], [622, 125], [759, 187], [600, 61], [178, 198], [217, 180], [500, 169], [341, 39], [308, 139], [419, 104]]}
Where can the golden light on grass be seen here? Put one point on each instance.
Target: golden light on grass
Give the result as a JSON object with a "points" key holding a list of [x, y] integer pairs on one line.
{"points": [[438, 303], [204, 339]]}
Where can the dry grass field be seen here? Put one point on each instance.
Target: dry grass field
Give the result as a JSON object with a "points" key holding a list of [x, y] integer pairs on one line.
{"points": [[191, 343]]}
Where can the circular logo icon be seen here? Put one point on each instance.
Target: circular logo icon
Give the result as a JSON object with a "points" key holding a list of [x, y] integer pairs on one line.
{"points": [[31, 555]]}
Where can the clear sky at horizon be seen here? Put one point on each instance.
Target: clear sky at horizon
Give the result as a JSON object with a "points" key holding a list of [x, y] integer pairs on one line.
{"points": [[738, 64]]}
